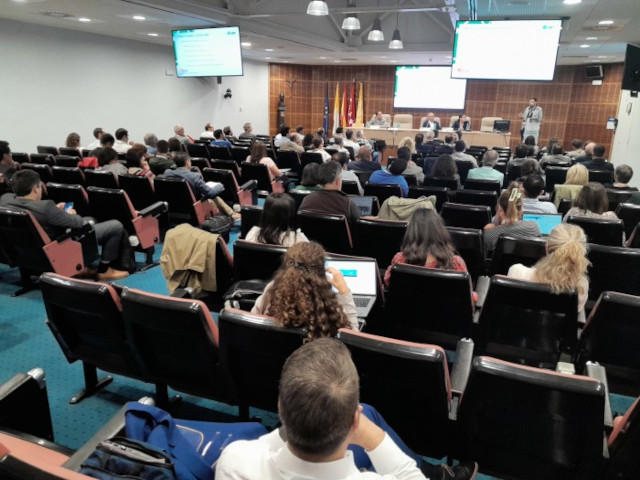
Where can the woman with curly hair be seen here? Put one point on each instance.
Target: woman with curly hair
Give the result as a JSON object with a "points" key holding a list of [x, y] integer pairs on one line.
{"points": [[564, 267], [300, 294]]}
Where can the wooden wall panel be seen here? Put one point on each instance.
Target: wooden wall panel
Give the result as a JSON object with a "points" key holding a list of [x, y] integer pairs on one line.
{"points": [[573, 108]]}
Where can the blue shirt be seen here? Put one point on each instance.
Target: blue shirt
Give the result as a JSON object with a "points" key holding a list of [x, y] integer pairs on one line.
{"points": [[384, 177], [198, 185], [221, 143]]}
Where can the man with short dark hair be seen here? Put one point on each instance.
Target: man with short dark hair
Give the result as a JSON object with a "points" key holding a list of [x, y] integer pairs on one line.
{"points": [[282, 136], [122, 141], [577, 151], [520, 156], [27, 195], [621, 176], [97, 133], [228, 133], [331, 199], [598, 162], [364, 161], [7, 166], [459, 154], [392, 175], [554, 157], [219, 139], [487, 172], [534, 187], [161, 161]]}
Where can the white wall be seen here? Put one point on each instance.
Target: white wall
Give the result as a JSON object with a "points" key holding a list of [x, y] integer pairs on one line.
{"points": [[56, 81], [626, 143]]}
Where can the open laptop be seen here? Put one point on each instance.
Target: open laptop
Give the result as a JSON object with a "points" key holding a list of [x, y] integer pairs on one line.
{"points": [[361, 278], [546, 221], [364, 204]]}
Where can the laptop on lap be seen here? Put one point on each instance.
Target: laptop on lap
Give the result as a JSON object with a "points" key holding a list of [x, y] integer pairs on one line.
{"points": [[361, 277]]}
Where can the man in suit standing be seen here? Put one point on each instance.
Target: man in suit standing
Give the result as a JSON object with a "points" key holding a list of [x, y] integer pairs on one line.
{"points": [[431, 123], [531, 120]]}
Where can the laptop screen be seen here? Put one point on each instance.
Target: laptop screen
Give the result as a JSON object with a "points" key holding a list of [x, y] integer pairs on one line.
{"points": [[546, 221], [364, 204], [359, 275]]}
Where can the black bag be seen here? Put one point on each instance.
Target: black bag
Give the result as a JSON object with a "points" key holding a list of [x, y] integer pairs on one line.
{"points": [[244, 293], [220, 224], [124, 458]]}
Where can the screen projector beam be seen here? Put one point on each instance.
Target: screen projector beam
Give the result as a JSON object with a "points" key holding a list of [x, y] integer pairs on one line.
{"points": [[428, 88]]}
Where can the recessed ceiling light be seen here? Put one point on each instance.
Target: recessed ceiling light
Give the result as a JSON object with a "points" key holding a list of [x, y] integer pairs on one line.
{"points": [[139, 18], [584, 45], [393, 61], [285, 61], [571, 2], [84, 19], [323, 58], [383, 56], [605, 22], [152, 34], [246, 44], [447, 56], [336, 61], [602, 56], [267, 58], [268, 49], [592, 38]]}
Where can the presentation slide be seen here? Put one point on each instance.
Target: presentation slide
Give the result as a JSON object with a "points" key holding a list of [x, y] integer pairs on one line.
{"points": [[506, 49], [428, 88], [360, 277], [208, 52]]}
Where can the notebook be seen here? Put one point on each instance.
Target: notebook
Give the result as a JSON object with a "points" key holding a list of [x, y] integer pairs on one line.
{"points": [[546, 221], [365, 204], [361, 278]]}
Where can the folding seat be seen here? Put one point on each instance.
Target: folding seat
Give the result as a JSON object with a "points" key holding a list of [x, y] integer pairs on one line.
{"points": [[350, 187], [601, 176], [253, 349], [68, 175], [27, 246], [233, 193], [86, 320], [408, 383], [260, 173], [45, 158], [624, 443], [290, 160], [526, 423], [67, 160], [250, 218], [67, 151], [252, 260], [200, 150], [514, 172], [429, 305], [111, 204], [441, 148], [48, 150], [615, 269], [469, 244], [44, 170], [238, 154], [379, 239], [427, 166], [331, 231], [466, 216], [183, 206], [382, 191], [564, 206], [488, 185], [100, 178], [362, 176], [352, 153], [310, 157], [634, 240], [200, 162], [526, 322], [441, 194], [510, 251], [298, 196], [21, 157], [463, 169], [227, 165], [600, 230], [140, 190], [554, 175], [176, 343], [220, 152], [452, 184], [477, 197], [410, 179], [63, 193], [629, 213]]}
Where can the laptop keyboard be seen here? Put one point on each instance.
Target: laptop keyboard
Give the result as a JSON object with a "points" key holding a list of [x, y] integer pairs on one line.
{"points": [[361, 302]]}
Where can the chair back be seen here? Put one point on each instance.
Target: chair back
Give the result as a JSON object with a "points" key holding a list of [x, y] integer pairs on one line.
{"points": [[350, 187], [49, 150], [100, 178], [250, 218], [44, 170], [629, 213], [526, 322], [221, 152], [510, 250], [601, 176], [451, 183], [183, 207], [484, 185], [408, 383], [600, 230], [310, 157], [615, 269], [330, 231], [63, 193], [140, 190], [68, 160], [379, 239], [444, 318], [624, 443], [486, 123], [527, 423], [477, 197], [256, 260], [112, 204], [466, 216], [46, 158], [441, 194], [554, 175], [618, 197], [228, 181], [403, 120], [200, 163], [200, 150], [227, 165], [463, 167], [68, 175], [238, 154], [259, 173], [382, 191], [564, 206], [470, 246], [21, 157], [299, 196], [289, 159]]}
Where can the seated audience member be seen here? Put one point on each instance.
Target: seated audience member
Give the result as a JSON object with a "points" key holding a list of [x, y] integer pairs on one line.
{"points": [[343, 159], [207, 133], [530, 167], [364, 161], [427, 243], [7, 165], [277, 222], [219, 140], [338, 145], [446, 168], [462, 123], [598, 162], [530, 141], [321, 133], [318, 405], [588, 153], [534, 187], [621, 177], [487, 172], [108, 161], [520, 156], [228, 134], [151, 142], [161, 161], [307, 141], [331, 200], [73, 141], [339, 133], [97, 133], [300, 294], [577, 177], [459, 154], [121, 144], [412, 167], [592, 201], [318, 147], [282, 136], [546, 150], [392, 175], [247, 134], [293, 145], [555, 157], [175, 145], [27, 195], [421, 147], [509, 220], [362, 140], [309, 179], [106, 140], [450, 141], [181, 136], [377, 121], [137, 163], [409, 143], [349, 142], [300, 132], [259, 155], [577, 151]]}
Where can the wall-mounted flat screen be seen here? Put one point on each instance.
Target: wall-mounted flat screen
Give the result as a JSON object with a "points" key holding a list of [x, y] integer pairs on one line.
{"points": [[428, 88], [631, 78], [506, 49], [208, 52]]}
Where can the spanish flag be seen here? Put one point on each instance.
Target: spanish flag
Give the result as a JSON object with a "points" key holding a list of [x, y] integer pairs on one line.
{"points": [[336, 109], [343, 110]]}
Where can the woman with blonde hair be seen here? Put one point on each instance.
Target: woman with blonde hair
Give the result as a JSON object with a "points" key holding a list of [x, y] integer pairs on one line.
{"points": [[577, 177], [409, 143], [300, 294], [564, 267], [73, 140]]}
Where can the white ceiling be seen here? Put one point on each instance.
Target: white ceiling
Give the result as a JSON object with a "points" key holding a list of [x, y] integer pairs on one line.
{"points": [[280, 30]]}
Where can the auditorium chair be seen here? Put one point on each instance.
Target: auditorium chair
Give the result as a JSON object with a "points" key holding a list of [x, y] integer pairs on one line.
{"points": [[253, 260], [68, 151], [291, 160], [486, 123], [510, 250], [422, 120], [20, 157], [624, 444], [463, 167], [477, 197], [634, 240], [629, 213], [260, 173], [183, 206], [452, 184], [465, 216], [409, 384], [49, 150], [100, 178], [379, 239], [350, 187], [44, 170], [64, 193], [617, 198], [615, 269], [525, 423], [469, 245], [484, 185], [429, 160], [253, 349], [227, 165], [200, 150], [362, 176], [220, 152], [310, 157], [140, 190], [45, 158], [233, 193], [299, 196], [330, 231], [429, 305], [250, 218], [554, 175], [352, 153], [603, 231], [67, 160], [564, 206], [526, 322], [604, 177], [68, 175], [200, 162], [175, 341], [441, 194], [382, 191], [514, 172], [239, 154], [403, 120], [410, 179], [28, 247]]}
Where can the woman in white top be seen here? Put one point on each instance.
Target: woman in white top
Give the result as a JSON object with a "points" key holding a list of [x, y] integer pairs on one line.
{"points": [[276, 222], [259, 155], [564, 267], [318, 147]]}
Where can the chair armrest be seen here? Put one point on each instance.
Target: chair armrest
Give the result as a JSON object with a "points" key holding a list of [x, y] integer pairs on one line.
{"points": [[76, 233], [112, 428], [155, 209], [597, 371], [186, 292], [250, 185], [462, 367], [482, 287]]}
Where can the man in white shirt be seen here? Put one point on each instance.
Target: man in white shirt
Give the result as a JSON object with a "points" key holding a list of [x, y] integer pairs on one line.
{"points": [[321, 417], [122, 141], [459, 154], [97, 133], [294, 144], [348, 142], [282, 137], [534, 187]]}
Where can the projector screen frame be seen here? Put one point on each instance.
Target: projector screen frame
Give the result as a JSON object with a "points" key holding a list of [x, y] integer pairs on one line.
{"points": [[427, 109]]}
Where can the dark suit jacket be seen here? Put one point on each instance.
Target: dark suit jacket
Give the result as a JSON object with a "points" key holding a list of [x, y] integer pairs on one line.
{"points": [[332, 202], [426, 124], [360, 166], [465, 125], [598, 164]]}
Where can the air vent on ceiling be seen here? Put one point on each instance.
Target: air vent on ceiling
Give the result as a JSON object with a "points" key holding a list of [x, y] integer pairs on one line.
{"points": [[285, 58], [57, 14], [349, 59], [603, 28]]}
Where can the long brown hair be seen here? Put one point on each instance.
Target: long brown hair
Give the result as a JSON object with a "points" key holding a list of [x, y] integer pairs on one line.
{"points": [[427, 235], [258, 151], [301, 296]]}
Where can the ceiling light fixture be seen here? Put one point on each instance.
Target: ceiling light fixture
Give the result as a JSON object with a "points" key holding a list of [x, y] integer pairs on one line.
{"points": [[605, 22], [591, 38], [84, 19], [268, 49], [351, 22], [376, 34], [317, 9], [584, 45], [152, 34], [572, 2], [245, 44], [139, 18], [396, 43]]}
